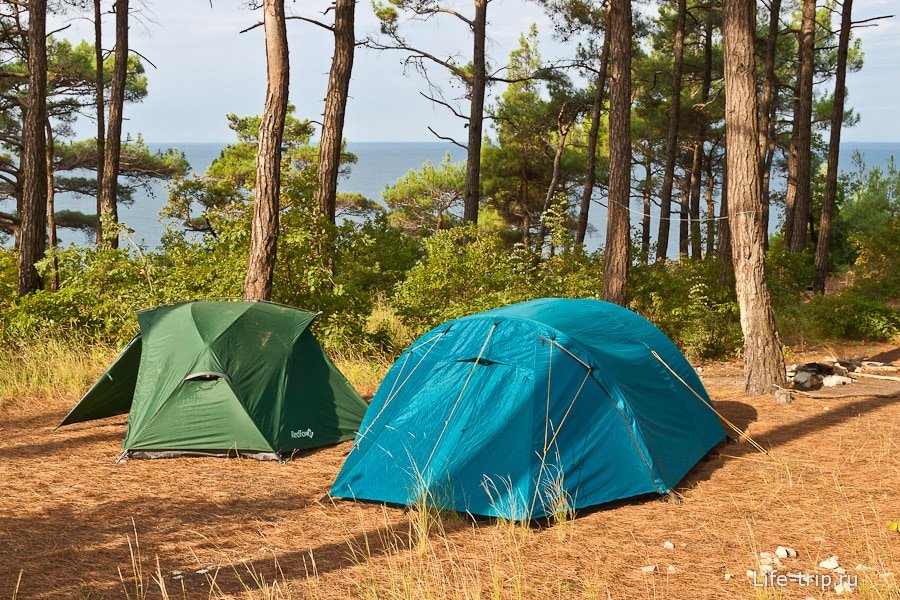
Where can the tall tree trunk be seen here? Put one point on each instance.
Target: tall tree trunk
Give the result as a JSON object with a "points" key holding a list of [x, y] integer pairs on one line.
{"points": [[837, 117], [264, 229], [662, 247], [711, 228], [696, 181], [336, 107], [590, 168], [799, 171], [767, 110], [51, 207], [684, 215], [723, 241], [109, 184], [562, 128], [472, 190], [645, 215], [101, 116], [617, 254], [700, 142], [33, 228], [763, 358]]}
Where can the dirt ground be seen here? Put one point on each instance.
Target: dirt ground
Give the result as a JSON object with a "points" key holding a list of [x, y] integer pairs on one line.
{"points": [[76, 524]]}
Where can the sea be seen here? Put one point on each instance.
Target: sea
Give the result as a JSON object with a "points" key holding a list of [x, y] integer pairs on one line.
{"points": [[380, 164]]}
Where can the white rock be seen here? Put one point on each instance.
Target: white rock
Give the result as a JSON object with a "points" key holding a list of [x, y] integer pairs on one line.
{"points": [[768, 555], [671, 569], [843, 588], [841, 571], [649, 569], [835, 380], [785, 552], [729, 576], [829, 563], [668, 545]]}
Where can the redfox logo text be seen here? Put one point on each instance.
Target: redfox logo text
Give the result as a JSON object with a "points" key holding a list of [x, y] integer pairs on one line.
{"points": [[817, 580], [303, 434]]}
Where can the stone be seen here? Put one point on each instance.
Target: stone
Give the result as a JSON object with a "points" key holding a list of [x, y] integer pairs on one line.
{"points": [[648, 569], [785, 552], [840, 370], [783, 397], [830, 563], [671, 569], [668, 545], [835, 380]]}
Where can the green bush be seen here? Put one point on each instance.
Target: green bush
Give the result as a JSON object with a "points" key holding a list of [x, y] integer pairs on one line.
{"points": [[466, 270], [851, 315], [685, 301]]}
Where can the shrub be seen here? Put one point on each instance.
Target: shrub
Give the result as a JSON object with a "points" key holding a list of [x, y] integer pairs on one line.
{"points": [[685, 301], [851, 315]]}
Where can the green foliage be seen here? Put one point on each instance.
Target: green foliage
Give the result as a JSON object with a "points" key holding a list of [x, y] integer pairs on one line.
{"points": [[685, 301], [423, 201], [868, 205], [467, 270], [99, 292], [877, 271], [851, 315]]}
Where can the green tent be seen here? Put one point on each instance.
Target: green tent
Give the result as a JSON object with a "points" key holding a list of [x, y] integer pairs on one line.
{"points": [[224, 378]]}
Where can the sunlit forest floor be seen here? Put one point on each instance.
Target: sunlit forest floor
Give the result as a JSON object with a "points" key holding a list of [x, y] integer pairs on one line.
{"points": [[76, 524]]}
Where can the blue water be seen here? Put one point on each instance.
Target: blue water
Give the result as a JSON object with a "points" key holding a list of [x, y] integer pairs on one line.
{"points": [[380, 164]]}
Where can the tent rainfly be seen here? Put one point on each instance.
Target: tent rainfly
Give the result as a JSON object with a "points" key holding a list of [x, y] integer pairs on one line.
{"points": [[524, 411], [224, 378]]}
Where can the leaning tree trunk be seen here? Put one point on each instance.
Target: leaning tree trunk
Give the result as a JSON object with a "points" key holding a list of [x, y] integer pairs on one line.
{"points": [[264, 229], [763, 357], [101, 107], [662, 247], [109, 184], [837, 117], [618, 251], [472, 189], [33, 226], [798, 192], [336, 107], [590, 168]]}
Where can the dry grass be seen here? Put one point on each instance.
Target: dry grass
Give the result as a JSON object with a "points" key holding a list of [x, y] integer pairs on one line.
{"points": [[74, 524]]}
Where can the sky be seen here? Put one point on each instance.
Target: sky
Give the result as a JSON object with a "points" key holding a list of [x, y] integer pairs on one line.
{"points": [[201, 67]]}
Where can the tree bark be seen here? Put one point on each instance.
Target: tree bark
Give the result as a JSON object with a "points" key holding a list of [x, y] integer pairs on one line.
{"points": [[618, 251], [109, 184], [336, 107], [696, 181], [33, 228], [590, 169], [264, 232], [645, 213], [472, 189], [101, 108], [797, 200], [51, 207], [763, 357], [767, 109], [665, 214], [831, 175]]}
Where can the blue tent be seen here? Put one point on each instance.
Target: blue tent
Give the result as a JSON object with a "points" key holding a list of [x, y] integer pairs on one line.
{"points": [[523, 410]]}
